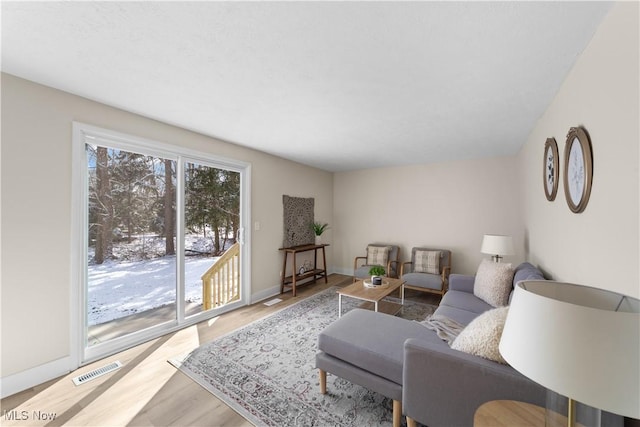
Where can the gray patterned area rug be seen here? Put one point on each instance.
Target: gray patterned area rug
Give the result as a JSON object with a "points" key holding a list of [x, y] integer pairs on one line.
{"points": [[266, 370]]}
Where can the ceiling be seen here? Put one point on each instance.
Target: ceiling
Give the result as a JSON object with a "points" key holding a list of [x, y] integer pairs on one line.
{"points": [[336, 85]]}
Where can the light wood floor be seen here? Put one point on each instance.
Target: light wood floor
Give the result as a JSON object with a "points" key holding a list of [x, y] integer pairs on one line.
{"points": [[147, 390]]}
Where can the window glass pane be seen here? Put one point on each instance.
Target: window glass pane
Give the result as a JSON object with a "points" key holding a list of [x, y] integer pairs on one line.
{"points": [[131, 250]]}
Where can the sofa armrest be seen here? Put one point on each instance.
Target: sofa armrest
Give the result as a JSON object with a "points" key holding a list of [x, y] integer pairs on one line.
{"points": [[461, 282], [444, 387]]}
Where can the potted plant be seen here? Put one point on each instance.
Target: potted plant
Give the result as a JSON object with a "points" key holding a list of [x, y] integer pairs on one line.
{"points": [[376, 272], [318, 229]]}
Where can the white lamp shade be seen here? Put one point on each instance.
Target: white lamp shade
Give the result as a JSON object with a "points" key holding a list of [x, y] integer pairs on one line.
{"points": [[581, 342], [494, 244]]}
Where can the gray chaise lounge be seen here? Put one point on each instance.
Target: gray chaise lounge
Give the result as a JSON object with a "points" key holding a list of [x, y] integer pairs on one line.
{"points": [[427, 380]]}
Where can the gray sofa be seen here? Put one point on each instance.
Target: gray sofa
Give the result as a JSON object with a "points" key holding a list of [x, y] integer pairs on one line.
{"points": [[404, 361]]}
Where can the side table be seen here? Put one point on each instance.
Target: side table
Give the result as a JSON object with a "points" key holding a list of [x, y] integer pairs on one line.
{"points": [[315, 273]]}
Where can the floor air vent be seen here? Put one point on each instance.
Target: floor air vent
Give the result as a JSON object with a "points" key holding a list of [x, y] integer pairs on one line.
{"points": [[81, 379]]}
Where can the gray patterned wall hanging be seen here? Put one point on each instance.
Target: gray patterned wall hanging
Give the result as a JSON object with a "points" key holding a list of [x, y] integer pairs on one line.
{"points": [[298, 217]]}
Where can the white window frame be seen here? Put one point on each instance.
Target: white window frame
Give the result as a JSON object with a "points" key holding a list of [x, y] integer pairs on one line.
{"points": [[81, 353]]}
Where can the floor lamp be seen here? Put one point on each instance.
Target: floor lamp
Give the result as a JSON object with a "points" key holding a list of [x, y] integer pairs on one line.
{"points": [[578, 341]]}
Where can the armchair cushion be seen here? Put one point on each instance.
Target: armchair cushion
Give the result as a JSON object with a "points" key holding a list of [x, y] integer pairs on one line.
{"points": [[493, 282], [362, 272], [427, 262], [423, 280], [378, 255]]}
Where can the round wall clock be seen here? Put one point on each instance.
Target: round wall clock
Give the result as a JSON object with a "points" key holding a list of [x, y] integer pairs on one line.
{"points": [[551, 166], [578, 169]]}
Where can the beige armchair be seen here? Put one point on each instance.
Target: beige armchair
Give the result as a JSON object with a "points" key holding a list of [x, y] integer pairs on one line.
{"points": [[382, 254], [428, 270]]}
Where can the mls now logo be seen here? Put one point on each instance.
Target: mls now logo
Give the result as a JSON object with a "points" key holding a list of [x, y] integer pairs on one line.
{"points": [[14, 415]]}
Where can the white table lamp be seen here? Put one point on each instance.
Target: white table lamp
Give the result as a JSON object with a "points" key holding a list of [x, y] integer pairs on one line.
{"points": [[578, 341], [497, 246]]}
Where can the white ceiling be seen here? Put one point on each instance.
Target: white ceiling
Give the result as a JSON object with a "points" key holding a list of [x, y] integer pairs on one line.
{"points": [[336, 85]]}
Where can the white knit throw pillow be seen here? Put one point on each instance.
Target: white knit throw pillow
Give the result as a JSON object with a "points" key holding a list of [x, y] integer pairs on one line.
{"points": [[482, 336], [493, 282]]}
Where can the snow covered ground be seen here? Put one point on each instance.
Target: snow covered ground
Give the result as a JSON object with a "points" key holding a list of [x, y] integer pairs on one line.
{"points": [[121, 288]]}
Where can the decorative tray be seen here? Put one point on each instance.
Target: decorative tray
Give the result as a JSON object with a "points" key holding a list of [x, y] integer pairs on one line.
{"points": [[367, 284]]}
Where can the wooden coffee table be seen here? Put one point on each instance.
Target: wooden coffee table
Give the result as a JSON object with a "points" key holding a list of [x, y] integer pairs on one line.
{"points": [[373, 296]]}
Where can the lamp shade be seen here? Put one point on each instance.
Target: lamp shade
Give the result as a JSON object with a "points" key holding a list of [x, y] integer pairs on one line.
{"points": [[494, 244], [578, 341]]}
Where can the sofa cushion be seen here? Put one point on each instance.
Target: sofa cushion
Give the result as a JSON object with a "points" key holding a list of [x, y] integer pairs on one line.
{"points": [[378, 255], [465, 301], [461, 282], [463, 317], [373, 341], [427, 262], [494, 281], [482, 336]]}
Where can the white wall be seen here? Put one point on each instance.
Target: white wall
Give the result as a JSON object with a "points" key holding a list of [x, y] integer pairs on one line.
{"points": [[448, 205], [36, 211], [598, 247]]}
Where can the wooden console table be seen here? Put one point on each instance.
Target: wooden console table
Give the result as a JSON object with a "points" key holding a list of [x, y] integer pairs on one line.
{"points": [[295, 277]]}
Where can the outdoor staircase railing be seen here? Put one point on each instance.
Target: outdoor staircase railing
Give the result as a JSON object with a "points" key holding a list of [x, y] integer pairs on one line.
{"points": [[221, 282]]}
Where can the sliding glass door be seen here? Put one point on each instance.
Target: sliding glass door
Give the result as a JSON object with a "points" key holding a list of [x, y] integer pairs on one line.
{"points": [[162, 239]]}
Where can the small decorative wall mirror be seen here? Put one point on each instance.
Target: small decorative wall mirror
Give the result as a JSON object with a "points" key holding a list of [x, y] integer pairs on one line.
{"points": [[578, 169], [551, 169]]}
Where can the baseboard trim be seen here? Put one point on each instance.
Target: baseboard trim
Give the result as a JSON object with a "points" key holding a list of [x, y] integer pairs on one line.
{"points": [[344, 271], [21, 381], [275, 290], [263, 295]]}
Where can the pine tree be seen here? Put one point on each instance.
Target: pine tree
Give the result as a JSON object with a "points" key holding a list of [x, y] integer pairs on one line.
{"points": [[169, 221], [103, 207], [213, 200], [134, 191]]}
